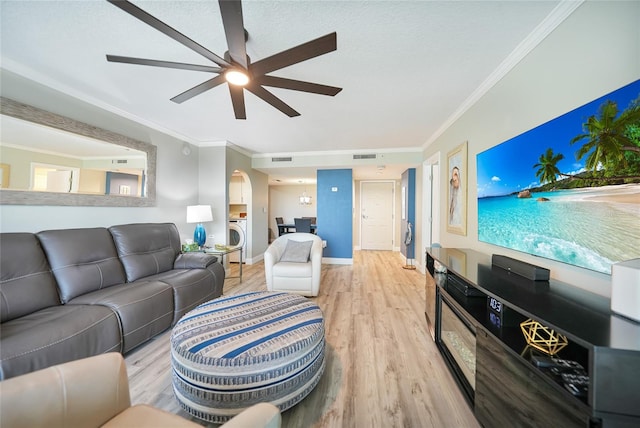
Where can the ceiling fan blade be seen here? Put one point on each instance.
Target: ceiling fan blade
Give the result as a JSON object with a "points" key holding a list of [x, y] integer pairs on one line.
{"points": [[234, 30], [298, 85], [268, 97], [237, 99], [143, 16], [196, 90], [166, 64], [303, 52]]}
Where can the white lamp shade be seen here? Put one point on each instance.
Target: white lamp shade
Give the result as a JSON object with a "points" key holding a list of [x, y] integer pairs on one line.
{"points": [[199, 213]]}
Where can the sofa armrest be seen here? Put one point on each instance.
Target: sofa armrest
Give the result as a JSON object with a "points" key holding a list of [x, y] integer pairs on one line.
{"points": [[194, 261], [81, 393], [272, 256], [145, 416], [316, 265], [261, 415]]}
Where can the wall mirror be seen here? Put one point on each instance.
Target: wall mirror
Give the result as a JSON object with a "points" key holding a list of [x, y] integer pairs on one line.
{"points": [[48, 159]]}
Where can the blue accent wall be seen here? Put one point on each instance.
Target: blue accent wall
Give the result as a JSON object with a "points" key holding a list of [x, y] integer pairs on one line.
{"points": [[408, 183], [335, 224]]}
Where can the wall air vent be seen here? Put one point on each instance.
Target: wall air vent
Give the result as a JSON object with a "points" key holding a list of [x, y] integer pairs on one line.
{"points": [[371, 156], [283, 159]]}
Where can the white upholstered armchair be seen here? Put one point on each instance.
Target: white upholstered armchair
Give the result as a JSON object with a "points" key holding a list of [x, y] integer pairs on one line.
{"points": [[293, 263]]}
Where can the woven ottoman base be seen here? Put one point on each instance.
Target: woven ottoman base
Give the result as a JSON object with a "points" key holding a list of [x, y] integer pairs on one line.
{"points": [[239, 350]]}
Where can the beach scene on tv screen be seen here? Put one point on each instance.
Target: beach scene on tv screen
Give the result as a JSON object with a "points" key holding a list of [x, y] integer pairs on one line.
{"points": [[568, 190]]}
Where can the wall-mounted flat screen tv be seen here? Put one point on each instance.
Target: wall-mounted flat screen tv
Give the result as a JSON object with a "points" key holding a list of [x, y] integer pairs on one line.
{"points": [[568, 190]]}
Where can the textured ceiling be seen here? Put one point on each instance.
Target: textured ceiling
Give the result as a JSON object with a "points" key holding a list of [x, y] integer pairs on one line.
{"points": [[406, 67]]}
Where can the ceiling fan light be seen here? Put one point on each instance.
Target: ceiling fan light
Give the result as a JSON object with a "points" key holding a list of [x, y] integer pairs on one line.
{"points": [[236, 77]]}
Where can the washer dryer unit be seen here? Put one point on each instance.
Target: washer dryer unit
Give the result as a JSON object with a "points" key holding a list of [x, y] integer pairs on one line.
{"points": [[238, 238]]}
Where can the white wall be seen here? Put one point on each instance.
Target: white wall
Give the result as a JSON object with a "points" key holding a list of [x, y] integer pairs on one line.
{"points": [[593, 52], [211, 178]]}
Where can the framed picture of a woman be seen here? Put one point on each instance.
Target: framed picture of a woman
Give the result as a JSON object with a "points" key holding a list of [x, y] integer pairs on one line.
{"points": [[457, 190]]}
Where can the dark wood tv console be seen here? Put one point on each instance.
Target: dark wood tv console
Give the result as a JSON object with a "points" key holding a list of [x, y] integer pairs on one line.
{"points": [[509, 383]]}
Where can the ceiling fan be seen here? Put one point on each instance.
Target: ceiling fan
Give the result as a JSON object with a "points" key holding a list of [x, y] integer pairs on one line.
{"points": [[235, 67]]}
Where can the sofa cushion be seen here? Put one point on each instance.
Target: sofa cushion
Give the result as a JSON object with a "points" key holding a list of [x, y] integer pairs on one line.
{"points": [[296, 251], [26, 282], [146, 248], [82, 260], [56, 335], [192, 286], [144, 308]]}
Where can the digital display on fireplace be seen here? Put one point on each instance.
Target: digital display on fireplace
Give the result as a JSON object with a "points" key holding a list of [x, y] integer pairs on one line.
{"points": [[494, 304]]}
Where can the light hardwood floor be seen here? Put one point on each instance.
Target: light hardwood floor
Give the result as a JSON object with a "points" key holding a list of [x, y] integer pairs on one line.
{"points": [[382, 367]]}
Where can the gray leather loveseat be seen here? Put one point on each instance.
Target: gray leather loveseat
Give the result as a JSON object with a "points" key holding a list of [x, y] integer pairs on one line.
{"points": [[73, 293]]}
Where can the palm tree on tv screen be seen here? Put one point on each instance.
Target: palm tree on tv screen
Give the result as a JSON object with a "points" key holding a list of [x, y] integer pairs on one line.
{"points": [[547, 166], [610, 136]]}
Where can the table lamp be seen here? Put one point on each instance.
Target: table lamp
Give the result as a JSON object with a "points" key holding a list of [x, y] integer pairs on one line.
{"points": [[199, 214]]}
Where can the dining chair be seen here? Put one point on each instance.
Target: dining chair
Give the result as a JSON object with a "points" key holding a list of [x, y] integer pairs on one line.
{"points": [[313, 223], [281, 229], [302, 225]]}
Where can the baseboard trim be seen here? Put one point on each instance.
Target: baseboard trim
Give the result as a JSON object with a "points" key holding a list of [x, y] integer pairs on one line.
{"points": [[254, 260], [336, 261]]}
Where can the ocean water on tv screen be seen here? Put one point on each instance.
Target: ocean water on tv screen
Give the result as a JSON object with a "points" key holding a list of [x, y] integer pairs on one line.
{"points": [[568, 228]]}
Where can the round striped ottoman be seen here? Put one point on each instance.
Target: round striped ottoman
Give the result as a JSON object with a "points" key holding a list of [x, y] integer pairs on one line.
{"points": [[239, 350]]}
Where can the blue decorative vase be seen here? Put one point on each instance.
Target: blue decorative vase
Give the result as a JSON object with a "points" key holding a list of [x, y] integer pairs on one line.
{"points": [[199, 235]]}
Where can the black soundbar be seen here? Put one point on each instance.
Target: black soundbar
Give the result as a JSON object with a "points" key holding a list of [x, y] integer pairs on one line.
{"points": [[527, 270]]}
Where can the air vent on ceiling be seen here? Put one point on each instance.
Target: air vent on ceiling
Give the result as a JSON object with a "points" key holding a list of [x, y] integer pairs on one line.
{"points": [[371, 156], [119, 161], [283, 159]]}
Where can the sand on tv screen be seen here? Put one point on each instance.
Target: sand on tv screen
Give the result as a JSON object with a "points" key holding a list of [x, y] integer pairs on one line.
{"points": [[568, 190]]}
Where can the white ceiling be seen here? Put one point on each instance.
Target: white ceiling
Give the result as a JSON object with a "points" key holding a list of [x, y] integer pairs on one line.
{"points": [[407, 68]]}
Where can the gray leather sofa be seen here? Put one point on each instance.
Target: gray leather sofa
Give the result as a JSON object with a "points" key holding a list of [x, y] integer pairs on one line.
{"points": [[73, 293]]}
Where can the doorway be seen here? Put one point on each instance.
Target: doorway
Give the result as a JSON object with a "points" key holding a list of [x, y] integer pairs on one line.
{"points": [[376, 215], [54, 178], [240, 215], [431, 205]]}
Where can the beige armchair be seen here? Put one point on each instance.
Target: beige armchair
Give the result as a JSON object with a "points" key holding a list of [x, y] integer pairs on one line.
{"points": [[297, 272], [94, 392]]}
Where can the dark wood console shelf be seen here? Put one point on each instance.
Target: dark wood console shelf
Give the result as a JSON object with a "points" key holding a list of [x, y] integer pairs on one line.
{"points": [[489, 356]]}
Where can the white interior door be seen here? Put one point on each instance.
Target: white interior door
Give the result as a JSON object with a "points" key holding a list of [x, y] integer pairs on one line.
{"points": [[376, 217]]}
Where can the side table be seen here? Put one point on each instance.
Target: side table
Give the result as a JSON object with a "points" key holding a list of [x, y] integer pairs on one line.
{"points": [[223, 252]]}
